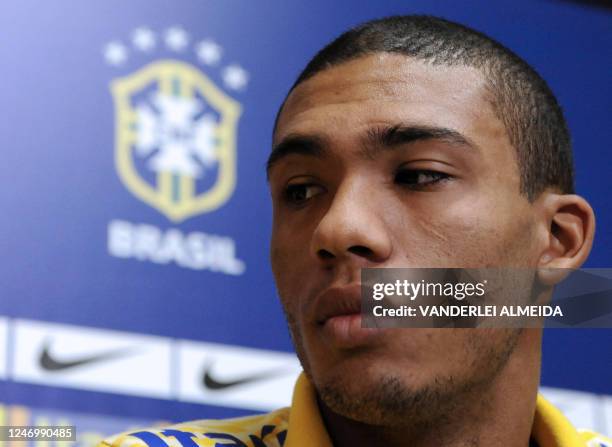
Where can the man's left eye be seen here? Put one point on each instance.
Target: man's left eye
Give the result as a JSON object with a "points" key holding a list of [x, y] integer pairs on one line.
{"points": [[419, 178]]}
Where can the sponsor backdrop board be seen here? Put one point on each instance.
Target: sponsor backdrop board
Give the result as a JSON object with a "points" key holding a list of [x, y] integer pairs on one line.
{"points": [[135, 281]]}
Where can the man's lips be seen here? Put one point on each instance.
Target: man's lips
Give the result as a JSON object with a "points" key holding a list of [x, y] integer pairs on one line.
{"points": [[337, 301], [337, 313]]}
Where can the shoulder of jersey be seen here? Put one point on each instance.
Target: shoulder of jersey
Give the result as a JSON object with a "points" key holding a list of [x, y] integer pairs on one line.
{"points": [[268, 429], [593, 439]]}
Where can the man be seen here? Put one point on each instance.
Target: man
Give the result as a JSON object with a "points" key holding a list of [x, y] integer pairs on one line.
{"points": [[411, 142]]}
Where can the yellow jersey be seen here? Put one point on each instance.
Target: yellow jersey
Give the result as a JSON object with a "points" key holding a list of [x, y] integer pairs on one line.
{"points": [[301, 426]]}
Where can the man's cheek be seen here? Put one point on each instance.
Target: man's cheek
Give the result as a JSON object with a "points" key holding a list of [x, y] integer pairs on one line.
{"points": [[281, 251], [464, 237], [289, 275], [444, 242]]}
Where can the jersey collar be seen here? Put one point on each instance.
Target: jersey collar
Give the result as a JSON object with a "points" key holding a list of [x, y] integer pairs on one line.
{"points": [[306, 428]]}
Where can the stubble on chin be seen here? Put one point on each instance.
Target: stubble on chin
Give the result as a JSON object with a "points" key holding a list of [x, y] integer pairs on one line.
{"points": [[390, 400]]}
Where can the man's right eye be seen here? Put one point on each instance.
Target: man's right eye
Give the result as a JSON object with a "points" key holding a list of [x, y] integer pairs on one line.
{"points": [[299, 193]]}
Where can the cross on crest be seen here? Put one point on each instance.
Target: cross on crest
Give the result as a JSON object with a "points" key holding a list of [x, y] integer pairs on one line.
{"points": [[175, 138]]}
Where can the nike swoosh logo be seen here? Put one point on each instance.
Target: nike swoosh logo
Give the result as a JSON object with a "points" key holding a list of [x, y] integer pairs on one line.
{"points": [[50, 363], [212, 383]]}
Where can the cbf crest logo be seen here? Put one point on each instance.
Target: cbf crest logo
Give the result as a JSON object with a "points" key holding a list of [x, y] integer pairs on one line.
{"points": [[175, 128]]}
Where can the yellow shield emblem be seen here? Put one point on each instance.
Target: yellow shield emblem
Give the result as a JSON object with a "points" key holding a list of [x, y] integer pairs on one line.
{"points": [[175, 138]]}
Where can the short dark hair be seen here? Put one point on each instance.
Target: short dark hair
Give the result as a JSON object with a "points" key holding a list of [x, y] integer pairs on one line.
{"points": [[521, 99]]}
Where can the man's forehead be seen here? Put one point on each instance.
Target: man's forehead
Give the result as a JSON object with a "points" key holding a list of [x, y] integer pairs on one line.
{"points": [[370, 83]]}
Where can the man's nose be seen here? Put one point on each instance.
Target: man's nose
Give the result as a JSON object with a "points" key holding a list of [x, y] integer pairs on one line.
{"points": [[353, 228]]}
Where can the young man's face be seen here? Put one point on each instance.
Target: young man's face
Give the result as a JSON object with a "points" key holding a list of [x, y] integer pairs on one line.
{"points": [[386, 161]]}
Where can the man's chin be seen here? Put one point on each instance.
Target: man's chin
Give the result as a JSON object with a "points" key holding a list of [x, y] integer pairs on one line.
{"points": [[381, 399], [379, 389]]}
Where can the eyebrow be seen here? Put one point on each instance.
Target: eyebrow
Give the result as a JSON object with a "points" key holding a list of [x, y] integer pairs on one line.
{"points": [[375, 140], [296, 144], [397, 135]]}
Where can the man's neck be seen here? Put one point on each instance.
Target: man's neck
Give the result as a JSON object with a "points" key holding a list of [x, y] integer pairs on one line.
{"points": [[500, 414]]}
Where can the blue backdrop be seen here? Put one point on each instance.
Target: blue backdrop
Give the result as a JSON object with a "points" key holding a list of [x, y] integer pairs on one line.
{"points": [[100, 232]]}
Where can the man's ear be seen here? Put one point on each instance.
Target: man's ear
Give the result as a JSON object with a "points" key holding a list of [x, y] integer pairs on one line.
{"points": [[571, 229]]}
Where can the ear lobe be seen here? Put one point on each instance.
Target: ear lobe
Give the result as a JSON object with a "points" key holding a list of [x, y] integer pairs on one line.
{"points": [[571, 227]]}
